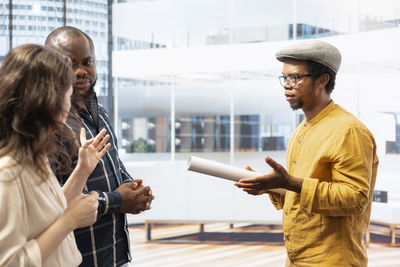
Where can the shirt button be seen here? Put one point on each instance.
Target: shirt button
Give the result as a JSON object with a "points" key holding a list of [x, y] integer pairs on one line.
{"points": [[294, 162], [298, 141], [286, 213], [305, 125], [287, 238]]}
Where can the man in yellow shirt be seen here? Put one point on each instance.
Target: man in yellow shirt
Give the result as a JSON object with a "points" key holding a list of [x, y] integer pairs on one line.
{"points": [[331, 165]]}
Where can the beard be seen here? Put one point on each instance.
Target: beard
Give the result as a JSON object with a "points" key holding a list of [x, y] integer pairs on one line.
{"points": [[297, 105], [78, 97]]}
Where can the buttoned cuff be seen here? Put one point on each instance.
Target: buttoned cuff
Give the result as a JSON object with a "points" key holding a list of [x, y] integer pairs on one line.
{"points": [[110, 204], [307, 194]]}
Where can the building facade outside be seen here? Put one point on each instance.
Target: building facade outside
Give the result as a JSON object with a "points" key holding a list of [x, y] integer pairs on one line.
{"points": [[30, 21]]}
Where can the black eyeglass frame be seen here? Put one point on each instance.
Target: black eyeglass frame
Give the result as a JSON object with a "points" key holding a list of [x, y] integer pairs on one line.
{"points": [[293, 78]]}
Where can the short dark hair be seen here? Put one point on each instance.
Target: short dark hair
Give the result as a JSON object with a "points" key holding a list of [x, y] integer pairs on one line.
{"points": [[317, 69]]}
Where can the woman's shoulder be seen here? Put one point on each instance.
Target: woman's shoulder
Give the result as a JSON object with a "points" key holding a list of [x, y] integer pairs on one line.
{"points": [[9, 168]]}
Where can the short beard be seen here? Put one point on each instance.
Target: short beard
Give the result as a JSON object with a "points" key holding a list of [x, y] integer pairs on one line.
{"points": [[297, 105], [77, 97]]}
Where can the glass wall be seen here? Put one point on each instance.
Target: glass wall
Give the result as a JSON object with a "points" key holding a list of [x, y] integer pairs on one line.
{"points": [[212, 64], [189, 50], [207, 67], [200, 78], [31, 21]]}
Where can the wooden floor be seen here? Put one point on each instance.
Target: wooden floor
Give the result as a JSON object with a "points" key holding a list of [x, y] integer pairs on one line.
{"points": [[149, 254]]}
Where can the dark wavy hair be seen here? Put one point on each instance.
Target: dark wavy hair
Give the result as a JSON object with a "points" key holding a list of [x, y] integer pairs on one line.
{"points": [[33, 82]]}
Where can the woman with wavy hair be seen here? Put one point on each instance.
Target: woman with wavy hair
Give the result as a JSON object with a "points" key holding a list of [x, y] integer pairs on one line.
{"points": [[37, 215]]}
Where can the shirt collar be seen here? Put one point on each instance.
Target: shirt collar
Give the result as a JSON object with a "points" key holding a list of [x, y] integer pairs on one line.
{"points": [[322, 114]]}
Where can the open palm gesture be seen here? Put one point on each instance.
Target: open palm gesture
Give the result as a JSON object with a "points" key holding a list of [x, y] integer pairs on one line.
{"points": [[277, 178], [92, 150]]}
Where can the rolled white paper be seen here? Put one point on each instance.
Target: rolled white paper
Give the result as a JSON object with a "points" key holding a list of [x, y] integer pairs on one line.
{"points": [[224, 171]]}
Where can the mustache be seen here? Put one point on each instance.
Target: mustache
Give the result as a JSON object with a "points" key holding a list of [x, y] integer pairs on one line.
{"points": [[83, 79], [76, 97]]}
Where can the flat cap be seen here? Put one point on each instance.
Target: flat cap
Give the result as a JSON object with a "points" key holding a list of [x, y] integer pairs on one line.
{"points": [[314, 50]]}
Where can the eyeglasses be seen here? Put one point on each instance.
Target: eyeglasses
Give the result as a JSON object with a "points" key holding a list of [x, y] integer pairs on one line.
{"points": [[292, 79]]}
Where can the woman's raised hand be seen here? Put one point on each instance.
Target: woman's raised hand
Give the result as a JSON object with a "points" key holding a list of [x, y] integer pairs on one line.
{"points": [[92, 150]]}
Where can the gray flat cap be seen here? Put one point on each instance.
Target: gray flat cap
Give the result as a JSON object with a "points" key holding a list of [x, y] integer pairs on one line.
{"points": [[314, 50]]}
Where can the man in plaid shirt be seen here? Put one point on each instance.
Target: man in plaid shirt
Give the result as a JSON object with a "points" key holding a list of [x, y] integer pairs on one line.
{"points": [[106, 243]]}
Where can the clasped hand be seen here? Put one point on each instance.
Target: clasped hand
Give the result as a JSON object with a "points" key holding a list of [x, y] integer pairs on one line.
{"points": [[135, 197]]}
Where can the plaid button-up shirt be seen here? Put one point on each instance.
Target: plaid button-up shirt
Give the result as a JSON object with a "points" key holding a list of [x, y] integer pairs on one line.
{"points": [[106, 243]]}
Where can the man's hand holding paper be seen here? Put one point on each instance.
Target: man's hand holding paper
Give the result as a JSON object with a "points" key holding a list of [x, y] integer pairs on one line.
{"points": [[225, 171], [277, 178]]}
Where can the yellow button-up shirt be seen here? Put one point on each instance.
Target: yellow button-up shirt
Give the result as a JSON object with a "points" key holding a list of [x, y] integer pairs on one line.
{"points": [[324, 224]]}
